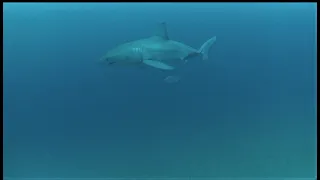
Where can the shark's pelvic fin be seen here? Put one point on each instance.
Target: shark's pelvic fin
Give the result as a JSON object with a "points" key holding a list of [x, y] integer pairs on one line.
{"points": [[162, 31], [158, 64], [205, 48]]}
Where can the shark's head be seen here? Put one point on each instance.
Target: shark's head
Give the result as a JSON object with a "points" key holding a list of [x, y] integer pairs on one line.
{"points": [[114, 59], [122, 56]]}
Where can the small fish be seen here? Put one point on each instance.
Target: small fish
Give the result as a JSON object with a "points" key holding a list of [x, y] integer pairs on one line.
{"points": [[172, 79]]}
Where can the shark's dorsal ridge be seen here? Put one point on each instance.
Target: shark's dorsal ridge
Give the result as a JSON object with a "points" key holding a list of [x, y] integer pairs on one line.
{"points": [[162, 31]]}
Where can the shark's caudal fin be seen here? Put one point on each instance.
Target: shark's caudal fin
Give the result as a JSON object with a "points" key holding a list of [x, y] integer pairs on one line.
{"points": [[205, 48]]}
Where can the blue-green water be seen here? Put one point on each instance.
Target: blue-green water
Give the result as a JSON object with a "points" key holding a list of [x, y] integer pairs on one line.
{"points": [[249, 111]]}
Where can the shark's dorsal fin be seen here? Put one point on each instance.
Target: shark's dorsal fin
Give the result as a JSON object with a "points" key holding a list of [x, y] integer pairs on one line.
{"points": [[162, 31]]}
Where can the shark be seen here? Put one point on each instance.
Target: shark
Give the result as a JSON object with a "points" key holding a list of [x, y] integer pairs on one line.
{"points": [[157, 51]]}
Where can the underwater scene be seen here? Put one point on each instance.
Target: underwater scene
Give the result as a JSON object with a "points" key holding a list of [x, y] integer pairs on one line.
{"points": [[179, 91]]}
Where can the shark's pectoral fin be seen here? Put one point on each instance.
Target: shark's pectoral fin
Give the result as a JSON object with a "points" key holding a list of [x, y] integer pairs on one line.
{"points": [[158, 64]]}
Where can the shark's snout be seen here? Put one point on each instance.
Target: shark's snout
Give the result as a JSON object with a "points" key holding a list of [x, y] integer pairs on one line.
{"points": [[109, 61], [106, 60]]}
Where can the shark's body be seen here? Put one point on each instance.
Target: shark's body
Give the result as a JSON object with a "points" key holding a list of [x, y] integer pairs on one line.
{"points": [[157, 51]]}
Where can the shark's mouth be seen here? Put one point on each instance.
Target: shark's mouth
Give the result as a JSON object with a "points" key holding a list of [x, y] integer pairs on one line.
{"points": [[111, 63]]}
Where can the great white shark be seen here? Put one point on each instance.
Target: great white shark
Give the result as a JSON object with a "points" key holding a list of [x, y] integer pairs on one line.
{"points": [[157, 51]]}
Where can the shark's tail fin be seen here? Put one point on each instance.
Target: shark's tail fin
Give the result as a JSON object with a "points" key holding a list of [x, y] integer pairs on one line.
{"points": [[205, 48]]}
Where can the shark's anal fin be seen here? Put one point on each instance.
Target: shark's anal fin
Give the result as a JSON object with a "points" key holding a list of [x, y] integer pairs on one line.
{"points": [[158, 64], [162, 31]]}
